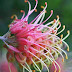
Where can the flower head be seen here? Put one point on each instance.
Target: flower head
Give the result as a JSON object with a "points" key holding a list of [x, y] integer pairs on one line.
{"points": [[35, 43]]}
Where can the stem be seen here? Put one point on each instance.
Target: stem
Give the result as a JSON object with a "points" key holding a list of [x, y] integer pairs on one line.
{"points": [[2, 38]]}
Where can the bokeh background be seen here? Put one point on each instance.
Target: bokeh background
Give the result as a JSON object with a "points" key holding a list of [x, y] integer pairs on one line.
{"points": [[63, 8]]}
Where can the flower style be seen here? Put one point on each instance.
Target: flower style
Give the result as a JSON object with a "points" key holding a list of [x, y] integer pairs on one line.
{"points": [[35, 44]]}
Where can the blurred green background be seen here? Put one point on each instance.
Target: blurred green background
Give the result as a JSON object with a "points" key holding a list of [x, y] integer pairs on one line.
{"points": [[63, 8]]}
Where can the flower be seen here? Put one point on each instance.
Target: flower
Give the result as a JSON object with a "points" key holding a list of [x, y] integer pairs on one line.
{"points": [[61, 64], [35, 44], [4, 67]]}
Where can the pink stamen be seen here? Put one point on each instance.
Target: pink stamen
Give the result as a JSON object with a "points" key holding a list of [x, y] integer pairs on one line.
{"points": [[38, 46], [48, 17], [31, 10], [23, 14], [41, 23], [38, 15]]}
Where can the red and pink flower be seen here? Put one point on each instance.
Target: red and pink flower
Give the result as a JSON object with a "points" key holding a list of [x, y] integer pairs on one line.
{"points": [[35, 43]]}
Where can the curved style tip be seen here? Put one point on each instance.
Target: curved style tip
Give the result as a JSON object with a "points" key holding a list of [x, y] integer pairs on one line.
{"points": [[68, 49], [35, 10], [64, 26], [25, 1], [13, 16], [63, 60], [22, 11], [66, 57], [35, 0], [68, 32], [51, 11], [57, 16], [45, 3]]}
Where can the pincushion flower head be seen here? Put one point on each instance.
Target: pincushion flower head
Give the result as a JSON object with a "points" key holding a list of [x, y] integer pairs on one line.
{"points": [[36, 44]]}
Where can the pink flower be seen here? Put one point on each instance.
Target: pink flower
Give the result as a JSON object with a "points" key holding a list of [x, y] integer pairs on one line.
{"points": [[34, 44], [4, 67], [61, 64]]}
